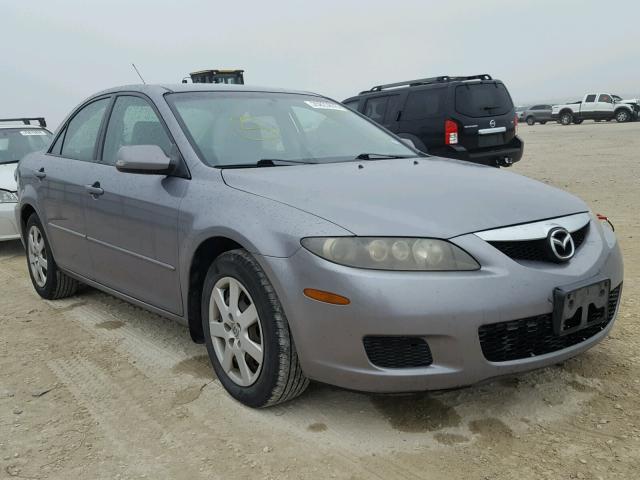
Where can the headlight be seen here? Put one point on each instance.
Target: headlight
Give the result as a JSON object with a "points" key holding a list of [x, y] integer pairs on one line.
{"points": [[382, 253], [8, 197]]}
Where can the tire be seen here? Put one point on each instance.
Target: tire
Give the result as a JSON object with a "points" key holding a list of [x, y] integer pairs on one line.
{"points": [[278, 377], [566, 118], [531, 121], [543, 122], [47, 279], [578, 121], [622, 116]]}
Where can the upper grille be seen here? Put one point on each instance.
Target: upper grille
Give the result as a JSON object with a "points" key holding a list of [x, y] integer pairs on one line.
{"points": [[529, 337], [398, 352], [535, 250]]}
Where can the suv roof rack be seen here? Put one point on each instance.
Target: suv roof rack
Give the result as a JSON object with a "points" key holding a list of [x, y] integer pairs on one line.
{"points": [[427, 81], [26, 120]]}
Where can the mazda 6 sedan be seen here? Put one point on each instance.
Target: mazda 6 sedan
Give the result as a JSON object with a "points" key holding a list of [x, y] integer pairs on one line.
{"points": [[300, 241]]}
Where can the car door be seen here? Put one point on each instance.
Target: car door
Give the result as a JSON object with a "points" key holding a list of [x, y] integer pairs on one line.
{"points": [[588, 107], [604, 106], [132, 219], [61, 190], [421, 117]]}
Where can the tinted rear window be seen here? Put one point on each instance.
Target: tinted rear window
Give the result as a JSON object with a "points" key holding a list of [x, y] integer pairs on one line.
{"points": [[483, 99]]}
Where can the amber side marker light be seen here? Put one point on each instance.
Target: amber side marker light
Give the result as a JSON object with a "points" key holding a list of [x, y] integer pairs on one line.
{"points": [[326, 297]]}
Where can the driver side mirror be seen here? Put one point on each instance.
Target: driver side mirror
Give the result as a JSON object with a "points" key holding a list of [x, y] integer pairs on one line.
{"points": [[145, 159]]}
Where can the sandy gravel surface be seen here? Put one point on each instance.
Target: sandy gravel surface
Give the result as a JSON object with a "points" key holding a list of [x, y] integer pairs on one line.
{"points": [[91, 387]]}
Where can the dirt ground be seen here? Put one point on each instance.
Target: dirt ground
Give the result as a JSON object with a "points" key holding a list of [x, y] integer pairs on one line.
{"points": [[92, 387]]}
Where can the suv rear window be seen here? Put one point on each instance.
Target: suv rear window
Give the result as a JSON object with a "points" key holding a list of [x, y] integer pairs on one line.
{"points": [[483, 99]]}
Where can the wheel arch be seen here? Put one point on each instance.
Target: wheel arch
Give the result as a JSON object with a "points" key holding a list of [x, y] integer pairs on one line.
{"points": [[203, 256], [26, 210]]}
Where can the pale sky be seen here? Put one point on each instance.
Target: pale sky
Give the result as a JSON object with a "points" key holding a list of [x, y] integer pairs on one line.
{"points": [[56, 53]]}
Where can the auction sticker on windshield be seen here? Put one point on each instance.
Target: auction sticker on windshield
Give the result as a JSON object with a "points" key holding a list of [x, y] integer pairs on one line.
{"points": [[27, 133], [324, 105]]}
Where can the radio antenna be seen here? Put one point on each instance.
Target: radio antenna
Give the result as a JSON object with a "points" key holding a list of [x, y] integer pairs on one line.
{"points": [[138, 72]]}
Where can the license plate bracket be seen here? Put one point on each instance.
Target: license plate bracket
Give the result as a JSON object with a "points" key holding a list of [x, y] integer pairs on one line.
{"points": [[578, 306]]}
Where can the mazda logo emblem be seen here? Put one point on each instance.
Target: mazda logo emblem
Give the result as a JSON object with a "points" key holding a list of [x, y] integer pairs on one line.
{"points": [[492, 123], [561, 246]]}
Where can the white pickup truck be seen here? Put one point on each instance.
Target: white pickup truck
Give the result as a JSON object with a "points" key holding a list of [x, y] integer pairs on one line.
{"points": [[596, 106]]}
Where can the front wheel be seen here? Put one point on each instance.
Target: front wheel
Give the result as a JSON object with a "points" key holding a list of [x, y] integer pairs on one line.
{"points": [[543, 122], [531, 121], [578, 121], [622, 116], [566, 118], [247, 334], [48, 280]]}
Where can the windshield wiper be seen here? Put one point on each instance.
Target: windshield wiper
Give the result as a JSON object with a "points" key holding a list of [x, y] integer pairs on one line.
{"points": [[380, 156], [267, 162], [274, 162], [491, 107]]}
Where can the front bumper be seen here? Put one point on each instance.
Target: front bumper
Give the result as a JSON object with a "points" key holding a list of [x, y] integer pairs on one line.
{"points": [[8, 228], [444, 308]]}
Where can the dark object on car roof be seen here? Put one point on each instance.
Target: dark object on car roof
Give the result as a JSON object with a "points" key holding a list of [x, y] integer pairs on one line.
{"points": [[235, 77], [26, 120], [468, 118], [426, 81]]}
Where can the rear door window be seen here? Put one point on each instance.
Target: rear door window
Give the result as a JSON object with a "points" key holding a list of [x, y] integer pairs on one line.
{"points": [[353, 105], [590, 99], [483, 99], [375, 108], [82, 131], [423, 104]]}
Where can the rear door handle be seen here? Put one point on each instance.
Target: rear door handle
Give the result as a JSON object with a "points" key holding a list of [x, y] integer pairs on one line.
{"points": [[94, 190], [40, 173]]}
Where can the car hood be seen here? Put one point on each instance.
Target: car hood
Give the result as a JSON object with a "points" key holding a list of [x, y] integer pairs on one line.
{"points": [[426, 197], [7, 180]]}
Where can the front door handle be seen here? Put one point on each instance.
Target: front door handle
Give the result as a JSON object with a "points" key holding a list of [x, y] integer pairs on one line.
{"points": [[40, 173], [94, 190]]}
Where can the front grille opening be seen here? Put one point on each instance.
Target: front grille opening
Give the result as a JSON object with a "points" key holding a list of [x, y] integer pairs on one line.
{"points": [[533, 336], [397, 351], [536, 250]]}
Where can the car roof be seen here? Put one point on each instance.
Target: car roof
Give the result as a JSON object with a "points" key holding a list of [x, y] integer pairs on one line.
{"points": [[161, 89]]}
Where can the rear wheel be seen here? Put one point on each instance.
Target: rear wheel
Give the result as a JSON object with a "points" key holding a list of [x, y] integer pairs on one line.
{"points": [[543, 122], [578, 121], [247, 334], [622, 116], [48, 281], [531, 121], [566, 118]]}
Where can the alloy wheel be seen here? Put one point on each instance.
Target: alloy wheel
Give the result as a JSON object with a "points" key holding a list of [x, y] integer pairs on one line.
{"points": [[236, 331], [37, 253]]}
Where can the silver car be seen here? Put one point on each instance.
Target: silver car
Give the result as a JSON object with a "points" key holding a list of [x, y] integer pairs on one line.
{"points": [[299, 241]]}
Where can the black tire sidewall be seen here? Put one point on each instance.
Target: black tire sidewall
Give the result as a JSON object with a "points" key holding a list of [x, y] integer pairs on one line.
{"points": [[626, 116], [230, 265], [49, 289]]}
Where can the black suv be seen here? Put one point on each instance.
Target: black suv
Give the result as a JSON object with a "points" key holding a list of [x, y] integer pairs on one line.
{"points": [[467, 118]]}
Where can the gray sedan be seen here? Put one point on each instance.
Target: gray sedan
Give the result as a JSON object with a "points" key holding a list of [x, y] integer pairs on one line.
{"points": [[299, 241]]}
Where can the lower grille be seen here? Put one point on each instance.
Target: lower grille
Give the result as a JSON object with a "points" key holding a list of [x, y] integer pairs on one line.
{"points": [[535, 250], [529, 337], [398, 352]]}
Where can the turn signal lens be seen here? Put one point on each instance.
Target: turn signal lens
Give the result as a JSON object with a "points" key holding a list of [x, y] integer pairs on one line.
{"points": [[326, 297], [450, 132]]}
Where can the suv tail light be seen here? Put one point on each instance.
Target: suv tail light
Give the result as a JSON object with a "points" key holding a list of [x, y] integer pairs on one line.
{"points": [[450, 132], [515, 124]]}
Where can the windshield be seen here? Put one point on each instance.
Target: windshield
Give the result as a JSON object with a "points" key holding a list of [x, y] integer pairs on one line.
{"points": [[242, 128], [15, 143]]}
